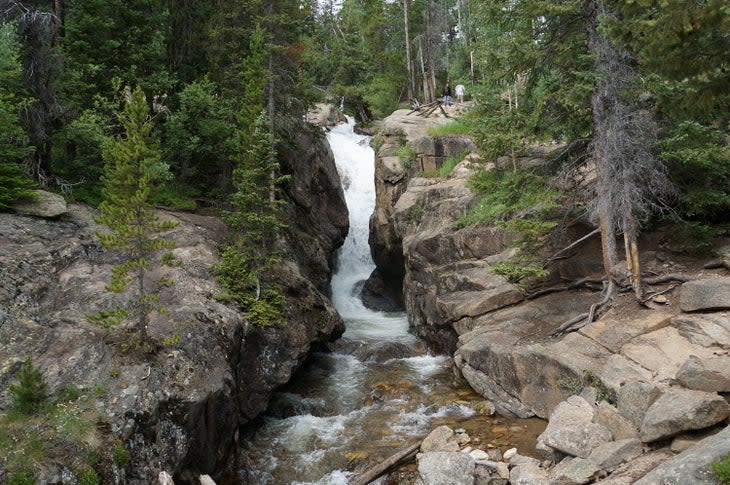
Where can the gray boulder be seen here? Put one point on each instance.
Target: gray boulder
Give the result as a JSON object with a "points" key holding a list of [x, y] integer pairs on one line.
{"points": [[692, 466], [679, 410], [610, 456], [528, 474], [442, 468], [709, 374], [573, 471], [706, 294], [620, 427], [440, 439], [44, 204], [571, 428], [634, 399]]}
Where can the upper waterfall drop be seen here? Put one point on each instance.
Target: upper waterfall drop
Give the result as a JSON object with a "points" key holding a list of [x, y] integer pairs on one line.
{"points": [[355, 161]]}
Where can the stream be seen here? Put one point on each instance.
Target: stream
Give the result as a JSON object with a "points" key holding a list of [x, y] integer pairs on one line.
{"points": [[379, 390]]}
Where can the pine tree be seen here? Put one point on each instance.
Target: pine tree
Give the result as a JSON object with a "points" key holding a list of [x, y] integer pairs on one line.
{"points": [[31, 391], [14, 183], [254, 224], [132, 172]]}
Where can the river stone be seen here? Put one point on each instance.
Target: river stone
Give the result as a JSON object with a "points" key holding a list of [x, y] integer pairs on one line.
{"points": [[44, 204], [528, 474], [522, 459], [610, 455], [629, 472], [705, 294], [634, 399], [443, 468], [573, 471], [710, 374], [571, 428], [692, 466], [206, 480], [164, 478], [680, 410], [440, 439], [620, 427], [383, 351]]}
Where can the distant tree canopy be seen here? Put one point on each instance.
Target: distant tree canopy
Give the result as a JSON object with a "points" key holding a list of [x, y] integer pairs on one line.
{"points": [[210, 68]]}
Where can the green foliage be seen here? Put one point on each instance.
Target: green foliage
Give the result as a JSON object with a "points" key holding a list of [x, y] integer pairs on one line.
{"points": [[574, 386], [447, 167], [172, 340], [459, 127], [407, 155], [63, 432], [89, 477], [30, 394], [14, 183], [507, 195], [132, 173], [99, 391], [121, 456], [721, 468], [516, 270], [254, 222], [21, 477], [415, 213], [69, 393]]}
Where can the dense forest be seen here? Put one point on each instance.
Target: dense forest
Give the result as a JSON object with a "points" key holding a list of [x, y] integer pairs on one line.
{"points": [[636, 88]]}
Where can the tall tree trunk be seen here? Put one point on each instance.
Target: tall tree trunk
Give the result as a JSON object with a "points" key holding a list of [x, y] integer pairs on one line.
{"points": [[409, 63]]}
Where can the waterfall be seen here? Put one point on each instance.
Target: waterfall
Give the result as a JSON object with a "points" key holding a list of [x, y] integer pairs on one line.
{"points": [[377, 391]]}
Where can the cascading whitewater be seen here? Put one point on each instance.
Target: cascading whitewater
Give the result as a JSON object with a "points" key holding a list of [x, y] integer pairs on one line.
{"points": [[328, 413]]}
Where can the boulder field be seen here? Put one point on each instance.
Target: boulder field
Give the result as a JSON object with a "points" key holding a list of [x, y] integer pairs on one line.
{"points": [[179, 410], [658, 372]]}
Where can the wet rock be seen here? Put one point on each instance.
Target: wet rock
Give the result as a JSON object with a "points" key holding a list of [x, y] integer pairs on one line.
{"points": [[44, 204], [528, 474], [573, 471], [571, 428], [381, 295], [383, 351], [634, 399], [710, 374], [693, 465], [679, 410], [610, 456], [620, 427], [440, 439], [705, 294], [440, 468]]}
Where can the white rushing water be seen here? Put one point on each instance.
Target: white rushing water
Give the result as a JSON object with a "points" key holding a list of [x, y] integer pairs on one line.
{"points": [[328, 414]]}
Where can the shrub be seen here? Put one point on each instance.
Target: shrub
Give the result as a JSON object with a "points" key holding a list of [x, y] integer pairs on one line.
{"points": [[722, 470], [89, 477], [121, 456], [21, 477], [30, 393], [407, 155]]}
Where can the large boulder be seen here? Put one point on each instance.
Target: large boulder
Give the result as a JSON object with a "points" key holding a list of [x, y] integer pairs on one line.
{"points": [[571, 428], [693, 465], [42, 204], [528, 474], [710, 374], [678, 410], [573, 471], [443, 468], [611, 455], [705, 294]]}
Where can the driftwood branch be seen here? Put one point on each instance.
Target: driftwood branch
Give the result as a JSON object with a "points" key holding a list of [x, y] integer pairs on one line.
{"points": [[381, 468], [572, 245]]}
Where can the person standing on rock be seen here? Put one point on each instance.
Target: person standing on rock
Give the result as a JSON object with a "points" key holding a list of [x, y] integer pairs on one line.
{"points": [[460, 93], [447, 94]]}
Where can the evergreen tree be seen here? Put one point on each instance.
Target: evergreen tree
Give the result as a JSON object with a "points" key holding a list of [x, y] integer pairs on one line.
{"points": [[254, 224], [133, 171], [14, 183], [31, 391]]}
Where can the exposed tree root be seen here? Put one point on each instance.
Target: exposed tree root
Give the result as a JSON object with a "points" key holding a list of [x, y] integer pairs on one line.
{"points": [[653, 294], [658, 280], [587, 281], [576, 323]]}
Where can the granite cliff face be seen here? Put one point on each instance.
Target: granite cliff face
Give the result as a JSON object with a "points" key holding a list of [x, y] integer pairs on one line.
{"points": [[660, 364], [179, 410]]}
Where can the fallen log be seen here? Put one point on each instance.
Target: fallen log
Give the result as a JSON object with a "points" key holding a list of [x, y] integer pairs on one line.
{"points": [[375, 472]]}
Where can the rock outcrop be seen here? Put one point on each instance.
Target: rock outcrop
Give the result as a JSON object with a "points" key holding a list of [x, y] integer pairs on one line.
{"points": [[179, 410]]}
